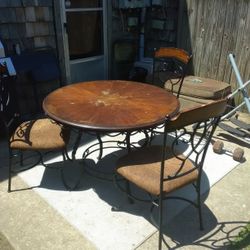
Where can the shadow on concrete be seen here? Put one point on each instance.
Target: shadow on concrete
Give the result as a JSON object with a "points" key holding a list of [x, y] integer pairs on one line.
{"points": [[99, 177], [183, 231]]}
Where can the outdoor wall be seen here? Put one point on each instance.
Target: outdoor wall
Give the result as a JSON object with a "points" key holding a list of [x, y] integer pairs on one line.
{"points": [[211, 30], [28, 23]]}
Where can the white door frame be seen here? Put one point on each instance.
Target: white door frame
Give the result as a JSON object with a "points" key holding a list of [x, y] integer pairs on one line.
{"points": [[61, 22]]}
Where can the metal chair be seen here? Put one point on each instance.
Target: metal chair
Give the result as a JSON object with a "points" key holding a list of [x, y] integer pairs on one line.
{"points": [[169, 68], [161, 169], [41, 135]]}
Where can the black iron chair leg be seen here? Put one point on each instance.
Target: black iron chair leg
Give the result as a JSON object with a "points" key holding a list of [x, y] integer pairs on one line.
{"points": [[100, 146], [160, 224], [199, 209], [10, 171]]}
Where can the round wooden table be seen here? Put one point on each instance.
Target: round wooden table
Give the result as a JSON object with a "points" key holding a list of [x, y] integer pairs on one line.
{"points": [[111, 105], [104, 107]]}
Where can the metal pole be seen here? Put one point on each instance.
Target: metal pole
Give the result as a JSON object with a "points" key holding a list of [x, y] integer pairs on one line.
{"points": [[240, 82]]}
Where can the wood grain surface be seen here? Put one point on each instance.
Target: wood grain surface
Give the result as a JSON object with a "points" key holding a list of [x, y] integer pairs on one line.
{"points": [[110, 105]]}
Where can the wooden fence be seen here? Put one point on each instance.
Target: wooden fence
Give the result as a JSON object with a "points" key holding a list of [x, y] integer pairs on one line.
{"points": [[211, 29]]}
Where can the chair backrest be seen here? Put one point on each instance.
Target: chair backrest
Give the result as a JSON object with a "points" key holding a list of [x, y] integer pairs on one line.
{"points": [[9, 115], [195, 129], [169, 68]]}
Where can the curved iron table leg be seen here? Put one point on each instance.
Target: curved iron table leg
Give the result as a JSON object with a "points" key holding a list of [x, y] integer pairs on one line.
{"points": [[128, 141], [101, 146], [76, 145]]}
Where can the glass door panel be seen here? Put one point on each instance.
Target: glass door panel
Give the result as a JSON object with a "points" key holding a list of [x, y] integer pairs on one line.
{"points": [[85, 34], [86, 39]]}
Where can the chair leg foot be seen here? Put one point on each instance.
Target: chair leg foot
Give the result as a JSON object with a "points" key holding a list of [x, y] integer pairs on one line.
{"points": [[160, 222], [120, 207], [116, 209], [200, 213], [9, 173], [9, 184], [160, 241]]}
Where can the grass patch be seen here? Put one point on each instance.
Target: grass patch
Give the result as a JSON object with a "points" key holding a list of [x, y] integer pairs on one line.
{"points": [[242, 241]]}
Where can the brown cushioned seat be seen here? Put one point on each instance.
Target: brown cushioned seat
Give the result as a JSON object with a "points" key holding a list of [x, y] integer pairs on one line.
{"points": [[142, 167], [203, 88], [41, 134]]}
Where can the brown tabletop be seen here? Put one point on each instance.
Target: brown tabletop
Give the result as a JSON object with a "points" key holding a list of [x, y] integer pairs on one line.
{"points": [[110, 105]]}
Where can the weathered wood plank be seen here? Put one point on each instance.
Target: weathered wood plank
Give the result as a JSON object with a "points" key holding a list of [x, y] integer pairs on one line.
{"points": [[242, 55], [241, 14], [217, 28], [223, 72], [207, 48], [217, 38], [197, 35]]}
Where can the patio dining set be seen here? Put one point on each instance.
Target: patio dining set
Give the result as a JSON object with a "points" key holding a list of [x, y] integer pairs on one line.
{"points": [[104, 107]]}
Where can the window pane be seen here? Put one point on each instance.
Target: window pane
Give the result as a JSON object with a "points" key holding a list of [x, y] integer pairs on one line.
{"points": [[85, 34], [83, 3]]}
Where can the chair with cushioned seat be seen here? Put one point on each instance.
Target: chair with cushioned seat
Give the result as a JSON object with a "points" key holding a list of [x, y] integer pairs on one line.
{"points": [[161, 169], [169, 68], [39, 136]]}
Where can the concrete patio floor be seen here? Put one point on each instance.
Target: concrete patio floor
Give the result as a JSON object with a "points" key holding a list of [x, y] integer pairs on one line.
{"points": [[28, 222]]}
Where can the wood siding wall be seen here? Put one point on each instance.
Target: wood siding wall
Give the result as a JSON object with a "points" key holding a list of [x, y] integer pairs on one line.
{"points": [[210, 30], [28, 23]]}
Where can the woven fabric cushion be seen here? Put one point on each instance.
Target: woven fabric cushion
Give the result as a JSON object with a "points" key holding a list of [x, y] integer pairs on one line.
{"points": [[142, 167], [203, 88], [41, 134]]}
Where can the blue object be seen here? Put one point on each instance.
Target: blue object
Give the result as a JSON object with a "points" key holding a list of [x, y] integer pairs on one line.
{"points": [[42, 65]]}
